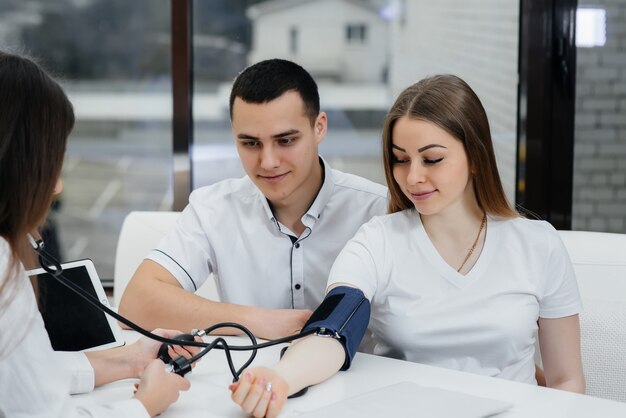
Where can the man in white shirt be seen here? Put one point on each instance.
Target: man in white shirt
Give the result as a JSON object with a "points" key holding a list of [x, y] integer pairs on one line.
{"points": [[268, 239]]}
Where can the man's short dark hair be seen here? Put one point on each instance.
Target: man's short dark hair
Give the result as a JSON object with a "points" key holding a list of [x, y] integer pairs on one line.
{"points": [[270, 79]]}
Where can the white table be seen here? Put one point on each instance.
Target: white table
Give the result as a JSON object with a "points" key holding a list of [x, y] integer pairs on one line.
{"points": [[209, 395]]}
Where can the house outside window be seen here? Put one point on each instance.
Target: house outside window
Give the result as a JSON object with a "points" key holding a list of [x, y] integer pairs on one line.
{"points": [[293, 40]]}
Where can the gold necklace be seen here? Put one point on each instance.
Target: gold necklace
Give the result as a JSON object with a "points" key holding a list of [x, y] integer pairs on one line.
{"points": [[471, 250]]}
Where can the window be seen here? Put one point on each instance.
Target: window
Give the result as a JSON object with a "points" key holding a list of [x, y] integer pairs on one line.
{"points": [[590, 27], [112, 58], [361, 59], [356, 33]]}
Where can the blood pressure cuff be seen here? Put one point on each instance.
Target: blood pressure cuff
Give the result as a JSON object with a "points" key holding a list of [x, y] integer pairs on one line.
{"points": [[343, 314]]}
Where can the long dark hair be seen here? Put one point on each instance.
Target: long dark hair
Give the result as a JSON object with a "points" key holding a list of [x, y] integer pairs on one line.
{"points": [[448, 102], [36, 118]]}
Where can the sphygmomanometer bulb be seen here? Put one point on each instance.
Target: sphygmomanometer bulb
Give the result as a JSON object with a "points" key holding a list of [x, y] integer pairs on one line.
{"points": [[180, 365]]}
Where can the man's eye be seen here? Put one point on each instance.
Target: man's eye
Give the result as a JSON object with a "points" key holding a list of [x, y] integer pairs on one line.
{"points": [[250, 144], [286, 141], [431, 162]]}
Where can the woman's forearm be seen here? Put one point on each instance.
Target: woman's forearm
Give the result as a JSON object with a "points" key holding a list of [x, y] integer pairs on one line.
{"points": [[571, 385], [310, 361], [111, 365]]}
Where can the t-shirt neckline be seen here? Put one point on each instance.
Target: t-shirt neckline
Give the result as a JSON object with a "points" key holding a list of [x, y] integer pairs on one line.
{"points": [[447, 271]]}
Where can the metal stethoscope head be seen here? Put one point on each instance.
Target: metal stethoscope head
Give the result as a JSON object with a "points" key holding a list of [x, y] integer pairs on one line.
{"points": [[50, 264]]}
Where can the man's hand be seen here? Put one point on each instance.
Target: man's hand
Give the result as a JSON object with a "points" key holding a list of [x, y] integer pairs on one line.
{"points": [[271, 324]]}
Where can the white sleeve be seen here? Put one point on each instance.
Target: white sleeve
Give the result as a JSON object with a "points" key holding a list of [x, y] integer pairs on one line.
{"points": [[131, 408], [82, 381], [35, 384], [186, 252], [360, 262], [83, 377], [559, 296]]}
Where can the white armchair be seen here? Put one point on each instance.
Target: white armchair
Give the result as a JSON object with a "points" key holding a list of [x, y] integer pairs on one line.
{"points": [[141, 232], [599, 261]]}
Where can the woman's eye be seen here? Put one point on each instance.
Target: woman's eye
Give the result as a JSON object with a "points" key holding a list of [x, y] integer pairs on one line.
{"points": [[431, 162], [396, 160]]}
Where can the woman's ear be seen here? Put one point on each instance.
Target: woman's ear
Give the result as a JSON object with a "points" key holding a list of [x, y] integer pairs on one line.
{"points": [[58, 187], [473, 169]]}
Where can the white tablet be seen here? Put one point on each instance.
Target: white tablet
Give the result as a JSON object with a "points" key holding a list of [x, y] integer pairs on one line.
{"points": [[73, 324], [408, 399]]}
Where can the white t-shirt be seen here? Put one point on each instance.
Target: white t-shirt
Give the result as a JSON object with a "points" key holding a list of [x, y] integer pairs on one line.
{"points": [[228, 229], [485, 322], [36, 381]]}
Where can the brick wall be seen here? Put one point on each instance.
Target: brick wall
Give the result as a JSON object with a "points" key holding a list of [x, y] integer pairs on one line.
{"points": [[599, 200]]}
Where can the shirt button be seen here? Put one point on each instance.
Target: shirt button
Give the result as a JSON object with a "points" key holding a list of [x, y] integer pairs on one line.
{"points": [[297, 286], [297, 245]]}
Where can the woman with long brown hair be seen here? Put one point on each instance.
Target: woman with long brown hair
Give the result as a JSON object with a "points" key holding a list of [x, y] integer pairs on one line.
{"points": [[454, 276], [35, 121]]}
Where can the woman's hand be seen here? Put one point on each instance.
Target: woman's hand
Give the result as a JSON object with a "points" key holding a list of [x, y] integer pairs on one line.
{"points": [[144, 350], [130, 361], [260, 392], [159, 389]]}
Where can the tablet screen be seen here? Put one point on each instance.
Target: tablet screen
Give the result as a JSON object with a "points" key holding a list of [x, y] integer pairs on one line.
{"points": [[72, 323]]}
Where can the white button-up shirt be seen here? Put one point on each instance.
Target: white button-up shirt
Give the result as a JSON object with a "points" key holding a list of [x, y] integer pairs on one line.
{"points": [[228, 230]]}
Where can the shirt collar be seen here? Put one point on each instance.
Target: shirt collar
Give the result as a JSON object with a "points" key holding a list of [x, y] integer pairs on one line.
{"points": [[315, 210], [323, 196]]}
